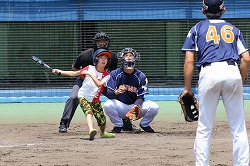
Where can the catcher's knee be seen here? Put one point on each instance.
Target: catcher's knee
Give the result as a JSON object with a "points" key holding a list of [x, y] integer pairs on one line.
{"points": [[108, 106], [154, 108]]}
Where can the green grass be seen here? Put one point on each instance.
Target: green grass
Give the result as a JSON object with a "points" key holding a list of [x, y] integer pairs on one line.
{"points": [[51, 112]]}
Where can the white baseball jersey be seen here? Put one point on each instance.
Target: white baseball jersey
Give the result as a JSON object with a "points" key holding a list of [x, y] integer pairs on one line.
{"points": [[89, 90]]}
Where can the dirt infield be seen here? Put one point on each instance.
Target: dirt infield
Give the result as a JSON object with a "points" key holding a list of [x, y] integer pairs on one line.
{"points": [[40, 144], [29, 137]]}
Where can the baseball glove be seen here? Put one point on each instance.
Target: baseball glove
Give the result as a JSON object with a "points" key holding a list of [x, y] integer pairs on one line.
{"points": [[189, 107], [134, 113]]}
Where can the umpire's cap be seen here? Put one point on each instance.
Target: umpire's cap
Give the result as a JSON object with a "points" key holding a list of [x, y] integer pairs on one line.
{"points": [[213, 6]]}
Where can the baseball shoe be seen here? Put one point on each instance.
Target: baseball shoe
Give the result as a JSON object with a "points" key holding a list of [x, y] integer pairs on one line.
{"points": [[92, 134], [116, 130], [62, 128], [107, 135], [128, 126], [148, 129]]}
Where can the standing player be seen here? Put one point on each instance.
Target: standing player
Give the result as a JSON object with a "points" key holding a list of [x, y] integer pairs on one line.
{"points": [[219, 45], [100, 40], [89, 94], [126, 88]]}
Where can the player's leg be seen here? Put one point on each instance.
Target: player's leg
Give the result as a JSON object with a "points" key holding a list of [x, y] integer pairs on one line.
{"points": [[149, 110], [88, 112], [70, 107], [232, 96], [101, 120], [116, 111], [111, 109], [208, 98]]}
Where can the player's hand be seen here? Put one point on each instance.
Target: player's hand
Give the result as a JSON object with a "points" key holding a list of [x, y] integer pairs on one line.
{"points": [[120, 90], [85, 72], [187, 92], [56, 71]]}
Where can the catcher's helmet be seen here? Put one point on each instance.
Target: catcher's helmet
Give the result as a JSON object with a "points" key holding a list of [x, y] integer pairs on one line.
{"points": [[100, 52], [101, 36], [125, 63]]}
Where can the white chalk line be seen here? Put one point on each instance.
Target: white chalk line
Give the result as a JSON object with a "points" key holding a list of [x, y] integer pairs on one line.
{"points": [[17, 145]]}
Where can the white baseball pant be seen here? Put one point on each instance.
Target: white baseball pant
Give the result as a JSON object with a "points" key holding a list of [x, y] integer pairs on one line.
{"points": [[221, 79], [116, 111]]}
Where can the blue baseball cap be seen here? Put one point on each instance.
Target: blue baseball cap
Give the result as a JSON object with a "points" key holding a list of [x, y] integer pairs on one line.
{"points": [[213, 6]]}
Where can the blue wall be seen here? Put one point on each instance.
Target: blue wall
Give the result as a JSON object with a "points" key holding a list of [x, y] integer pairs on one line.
{"points": [[89, 10]]}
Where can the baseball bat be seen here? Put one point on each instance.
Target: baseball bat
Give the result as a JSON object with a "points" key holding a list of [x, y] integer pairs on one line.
{"points": [[40, 62]]}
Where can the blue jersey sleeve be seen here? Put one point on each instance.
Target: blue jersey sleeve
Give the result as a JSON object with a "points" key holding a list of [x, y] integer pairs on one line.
{"points": [[241, 44], [189, 44], [143, 88]]}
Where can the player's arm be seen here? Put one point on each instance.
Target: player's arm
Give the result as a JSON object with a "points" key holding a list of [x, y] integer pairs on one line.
{"points": [[188, 70], [67, 73], [244, 65], [98, 83]]}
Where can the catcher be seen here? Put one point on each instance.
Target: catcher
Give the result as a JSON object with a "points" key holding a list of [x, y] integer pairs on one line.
{"points": [[189, 106], [126, 89]]}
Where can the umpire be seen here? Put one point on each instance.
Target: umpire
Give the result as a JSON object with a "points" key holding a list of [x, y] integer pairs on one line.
{"points": [[100, 40]]}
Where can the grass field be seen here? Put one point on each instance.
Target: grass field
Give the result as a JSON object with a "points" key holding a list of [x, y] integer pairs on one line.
{"points": [[51, 112]]}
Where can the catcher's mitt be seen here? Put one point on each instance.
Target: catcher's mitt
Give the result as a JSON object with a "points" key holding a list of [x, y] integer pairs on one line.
{"points": [[135, 113], [189, 107]]}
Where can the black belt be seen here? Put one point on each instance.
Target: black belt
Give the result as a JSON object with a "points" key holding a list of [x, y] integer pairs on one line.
{"points": [[228, 62]]}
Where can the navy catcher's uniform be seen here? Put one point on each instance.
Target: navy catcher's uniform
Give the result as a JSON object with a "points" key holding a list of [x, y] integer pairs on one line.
{"points": [[218, 45], [136, 86]]}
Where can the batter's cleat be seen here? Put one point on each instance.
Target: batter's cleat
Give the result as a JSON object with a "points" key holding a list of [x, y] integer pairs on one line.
{"points": [[148, 129], [62, 128], [107, 135], [116, 130], [92, 134]]}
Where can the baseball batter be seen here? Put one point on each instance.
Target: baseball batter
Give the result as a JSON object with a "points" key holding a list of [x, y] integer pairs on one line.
{"points": [[126, 88], [100, 40], [95, 78], [219, 45]]}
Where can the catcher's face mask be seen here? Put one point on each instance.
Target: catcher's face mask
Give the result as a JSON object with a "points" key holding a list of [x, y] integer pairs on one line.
{"points": [[101, 40], [128, 58]]}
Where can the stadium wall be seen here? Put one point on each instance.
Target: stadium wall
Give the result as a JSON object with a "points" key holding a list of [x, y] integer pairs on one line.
{"points": [[58, 30]]}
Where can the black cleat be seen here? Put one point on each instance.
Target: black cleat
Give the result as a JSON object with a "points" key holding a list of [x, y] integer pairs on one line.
{"points": [[148, 129], [128, 126], [62, 128], [116, 130]]}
